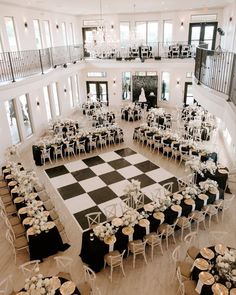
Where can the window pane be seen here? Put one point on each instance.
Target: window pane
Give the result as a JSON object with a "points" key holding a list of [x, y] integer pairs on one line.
{"points": [[96, 74], [152, 36], [56, 101], [196, 33], [165, 86], [126, 85], [11, 33], [1, 47], [47, 103], [209, 30], [151, 73], [70, 92], [48, 38], [93, 92], [71, 34], [37, 33], [141, 29], [64, 35], [168, 28], [76, 90], [124, 32], [103, 92], [12, 121], [26, 115]]}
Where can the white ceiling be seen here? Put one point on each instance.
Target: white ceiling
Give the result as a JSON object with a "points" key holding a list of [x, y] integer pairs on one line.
{"points": [[85, 7]]}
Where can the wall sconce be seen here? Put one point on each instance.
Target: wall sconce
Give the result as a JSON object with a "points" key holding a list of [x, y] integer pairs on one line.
{"points": [[26, 25], [112, 27], [65, 90], [38, 103], [182, 24], [178, 82], [114, 82], [74, 62], [65, 66], [55, 66], [57, 27], [230, 19]]}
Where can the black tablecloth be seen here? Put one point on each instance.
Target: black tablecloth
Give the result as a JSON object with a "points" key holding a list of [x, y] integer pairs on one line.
{"points": [[46, 244], [93, 252], [220, 178]]}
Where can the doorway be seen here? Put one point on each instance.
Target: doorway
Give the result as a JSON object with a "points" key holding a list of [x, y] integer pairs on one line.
{"points": [[188, 94], [98, 91], [203, 33], [88, 34]]}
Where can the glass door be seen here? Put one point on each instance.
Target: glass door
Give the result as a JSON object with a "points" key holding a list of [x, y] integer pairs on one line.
{"points": [[188, 94], [203, 33], [98, 91], [88, 34]]}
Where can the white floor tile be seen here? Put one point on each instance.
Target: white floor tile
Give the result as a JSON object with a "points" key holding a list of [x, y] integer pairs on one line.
{"points": [[63, 180], [102, 169], [159, 174], [118, 187], [76, 165], [92, 184], [110, 156], [135, 159], [130, 171], [79, 203]]}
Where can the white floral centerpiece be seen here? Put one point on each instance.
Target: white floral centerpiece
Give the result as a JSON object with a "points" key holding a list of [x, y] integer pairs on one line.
{"points": [[39, 222], [162, 203], [37, 284], [12, 152], [201, 167], [131, 217], [104, 230], [190, 192], [33, 208], [226, 265], [208, 184]]}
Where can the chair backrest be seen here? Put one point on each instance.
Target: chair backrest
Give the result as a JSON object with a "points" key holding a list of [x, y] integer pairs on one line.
{"points": [[176, 254], [117, 259], [6, 286], [43, 195], [139, 201], [125, 204], [10, 238], [64, 263], [29, 268], [110, 211], [168, 188], [139, 248], [190, 238], [181, 285], [93, 218], [90, 277]]}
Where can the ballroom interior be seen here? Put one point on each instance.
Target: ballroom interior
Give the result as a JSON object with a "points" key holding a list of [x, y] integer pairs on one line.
{"points": [[118, 150]]}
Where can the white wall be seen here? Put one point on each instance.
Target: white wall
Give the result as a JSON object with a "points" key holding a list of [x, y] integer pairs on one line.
{"points": [[26, 36], [229, 26]]}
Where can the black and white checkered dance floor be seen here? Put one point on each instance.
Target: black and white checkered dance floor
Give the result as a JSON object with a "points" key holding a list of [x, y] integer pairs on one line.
{"points": [[91, 184]]}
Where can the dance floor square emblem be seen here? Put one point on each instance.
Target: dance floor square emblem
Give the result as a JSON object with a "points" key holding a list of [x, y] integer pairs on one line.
{"points": [[91, 184]]}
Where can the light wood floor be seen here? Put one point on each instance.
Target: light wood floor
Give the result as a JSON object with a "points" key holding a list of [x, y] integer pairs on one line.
{"points": [[154, 278]]}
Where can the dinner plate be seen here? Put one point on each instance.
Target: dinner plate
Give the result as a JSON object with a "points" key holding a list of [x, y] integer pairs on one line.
{"points": [[176, 208], [144, 222], [55, 282], [207, 253], [203, 197], [27, 220], [23, 210], [189, 202], [127, 230], [12, 183], [50, 224], [6, 170], [9, 176], [110, 240], [67, 288], [117, 221], [213, 190], [232, 291], [220, 249], [30, 231], [201, 264], [18, 200], [206, 278], [219, 289], [223, 171], [22, 293], [33, 195], [159, 215], [148, 207]]}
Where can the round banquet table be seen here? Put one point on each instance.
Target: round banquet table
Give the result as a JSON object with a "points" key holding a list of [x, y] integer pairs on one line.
{"points": [[58, 291], [206, 262]]}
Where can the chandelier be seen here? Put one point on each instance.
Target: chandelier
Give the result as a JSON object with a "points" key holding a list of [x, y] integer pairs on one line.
{"points": [[104, 42]]}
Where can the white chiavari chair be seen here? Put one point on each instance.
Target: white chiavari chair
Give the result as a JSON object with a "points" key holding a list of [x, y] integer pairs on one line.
{"points": [[110, 211], [58, 152], [114, 259], [93, 219], [29, 268], [191, 250], [154, 239], [168, 230], [168, 188], [46, 154], [64, 266], [137, 247], [17, 244], [184, 266], [186, 287]]}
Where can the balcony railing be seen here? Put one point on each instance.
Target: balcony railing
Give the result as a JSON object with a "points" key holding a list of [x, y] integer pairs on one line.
{"points": [[21, 64], [217, 70]]}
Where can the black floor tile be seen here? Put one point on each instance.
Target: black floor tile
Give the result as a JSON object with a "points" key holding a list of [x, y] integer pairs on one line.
{"points": [[102, 195], [119, 163], [111, 177], [83, 174], [146, 166], [71, 190], [144, 179], [93, 161], [56, 171], [125, 152]]}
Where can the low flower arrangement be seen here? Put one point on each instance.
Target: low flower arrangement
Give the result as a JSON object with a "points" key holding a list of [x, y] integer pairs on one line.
{"points": [[39, 222], [162, 203], [37, 284], [104, 230], [208, 185], [190, 192], [226, 266], [200, 167], [131, 217]]}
